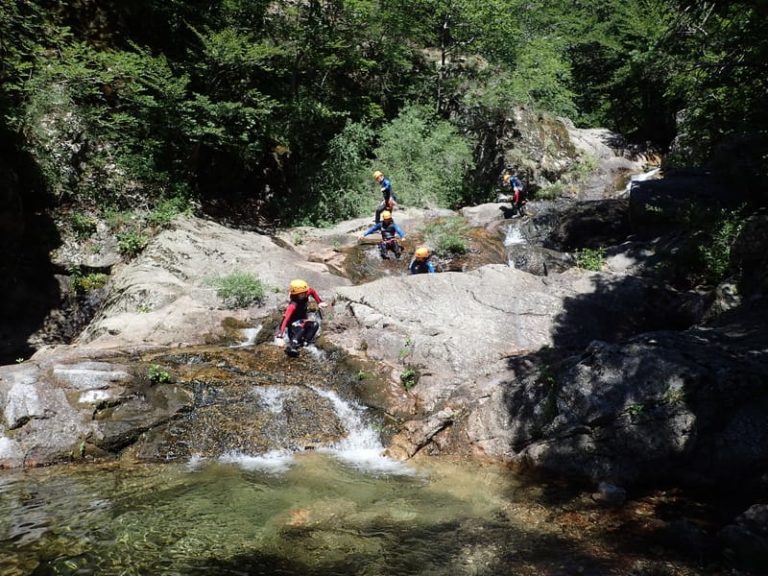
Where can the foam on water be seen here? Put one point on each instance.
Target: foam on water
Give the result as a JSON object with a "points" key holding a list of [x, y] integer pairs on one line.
{"points": [[250, 337], [514, 236], [272, 397], [273, 462], [361, 446]]}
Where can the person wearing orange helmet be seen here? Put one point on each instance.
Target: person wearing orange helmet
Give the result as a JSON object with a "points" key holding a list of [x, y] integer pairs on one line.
{"points": [[388, 202], [389, 232], [300, 330], [421, 263]]}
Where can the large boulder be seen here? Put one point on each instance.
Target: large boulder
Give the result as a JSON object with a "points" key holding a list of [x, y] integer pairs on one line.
{"points": [[166, 296], [53, 408], [688, 405], [459, 331]]}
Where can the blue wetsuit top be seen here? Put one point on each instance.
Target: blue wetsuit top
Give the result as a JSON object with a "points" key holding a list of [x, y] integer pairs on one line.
{"points": [[387, 231]]}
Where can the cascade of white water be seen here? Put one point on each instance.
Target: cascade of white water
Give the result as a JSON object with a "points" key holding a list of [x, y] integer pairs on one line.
{"points": [[250, 337], [361, 447], [514, 236], [641, 178]]}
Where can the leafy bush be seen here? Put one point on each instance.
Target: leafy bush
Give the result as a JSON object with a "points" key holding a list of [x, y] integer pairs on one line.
{"points": [[426, 159], [550, 192], [448, 236], [239, 289], [82, 284], [716, 252], [131, 242], [591, 259], [409, 377], [343, 188], [166, 210], [83, 225]]}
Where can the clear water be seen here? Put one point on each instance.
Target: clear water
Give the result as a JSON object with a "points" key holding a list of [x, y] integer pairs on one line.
{"points": [[315, 515]]}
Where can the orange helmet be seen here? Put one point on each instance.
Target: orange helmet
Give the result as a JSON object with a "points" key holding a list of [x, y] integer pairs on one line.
{"points": [[422, 253], [386, 215], [298, 287], [378, 174]]}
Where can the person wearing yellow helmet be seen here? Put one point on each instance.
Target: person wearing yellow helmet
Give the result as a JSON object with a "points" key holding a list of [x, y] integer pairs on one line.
{"points": [[300, 330], [510, 180], [389, 233], [388, 202], [421, 263]]}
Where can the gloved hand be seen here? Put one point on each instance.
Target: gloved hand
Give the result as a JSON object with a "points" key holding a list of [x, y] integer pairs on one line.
{"points": [[323, 305]]}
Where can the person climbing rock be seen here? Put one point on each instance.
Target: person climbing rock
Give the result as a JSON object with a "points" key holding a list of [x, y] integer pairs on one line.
{"points": [[389, 232], [389, 199], [301, 330], [421, 263]]}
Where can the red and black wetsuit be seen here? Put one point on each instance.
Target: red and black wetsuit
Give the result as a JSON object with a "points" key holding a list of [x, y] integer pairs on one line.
{"points": [[297, 309]]}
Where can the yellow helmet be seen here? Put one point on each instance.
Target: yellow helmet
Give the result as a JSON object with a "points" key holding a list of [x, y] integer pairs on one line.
{"points": [[298, 287], [378, 174], [386, 215], [422, 253]]}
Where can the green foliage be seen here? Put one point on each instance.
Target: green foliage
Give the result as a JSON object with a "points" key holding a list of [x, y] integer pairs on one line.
{"points": [[716, 251], [704, 257], [239, 289], [542, 77], [341, 191], [83, 225], [448, 236], [166, 210], [157, 375], [425, 158], [131, 242], [409, 377], [84, 283], [285, 107], [550, 192], [591, 259]]}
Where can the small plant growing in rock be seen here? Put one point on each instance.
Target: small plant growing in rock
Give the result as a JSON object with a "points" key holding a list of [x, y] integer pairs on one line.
{"points": [[239, 289], [591, 259], [634, 410], [166, 210], [157, 375], [84, 283], [83, 225], [131, 242], [406, 350], [409, 377]]}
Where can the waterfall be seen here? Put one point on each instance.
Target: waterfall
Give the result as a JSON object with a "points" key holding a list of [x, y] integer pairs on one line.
{"points": [[514, 236], [641, 178], [361, 447], [250, 337]]}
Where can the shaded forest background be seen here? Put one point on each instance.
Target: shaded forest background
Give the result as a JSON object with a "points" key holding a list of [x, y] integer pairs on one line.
{"points": [[280, 109]]}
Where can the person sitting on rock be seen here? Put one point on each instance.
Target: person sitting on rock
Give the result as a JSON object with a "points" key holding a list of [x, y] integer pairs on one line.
{"points": [[388, 201], [421, 263], [389, 232], [294, 319]]}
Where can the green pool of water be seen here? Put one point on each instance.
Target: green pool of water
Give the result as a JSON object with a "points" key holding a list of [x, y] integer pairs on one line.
{"points": [[317, 516]]}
